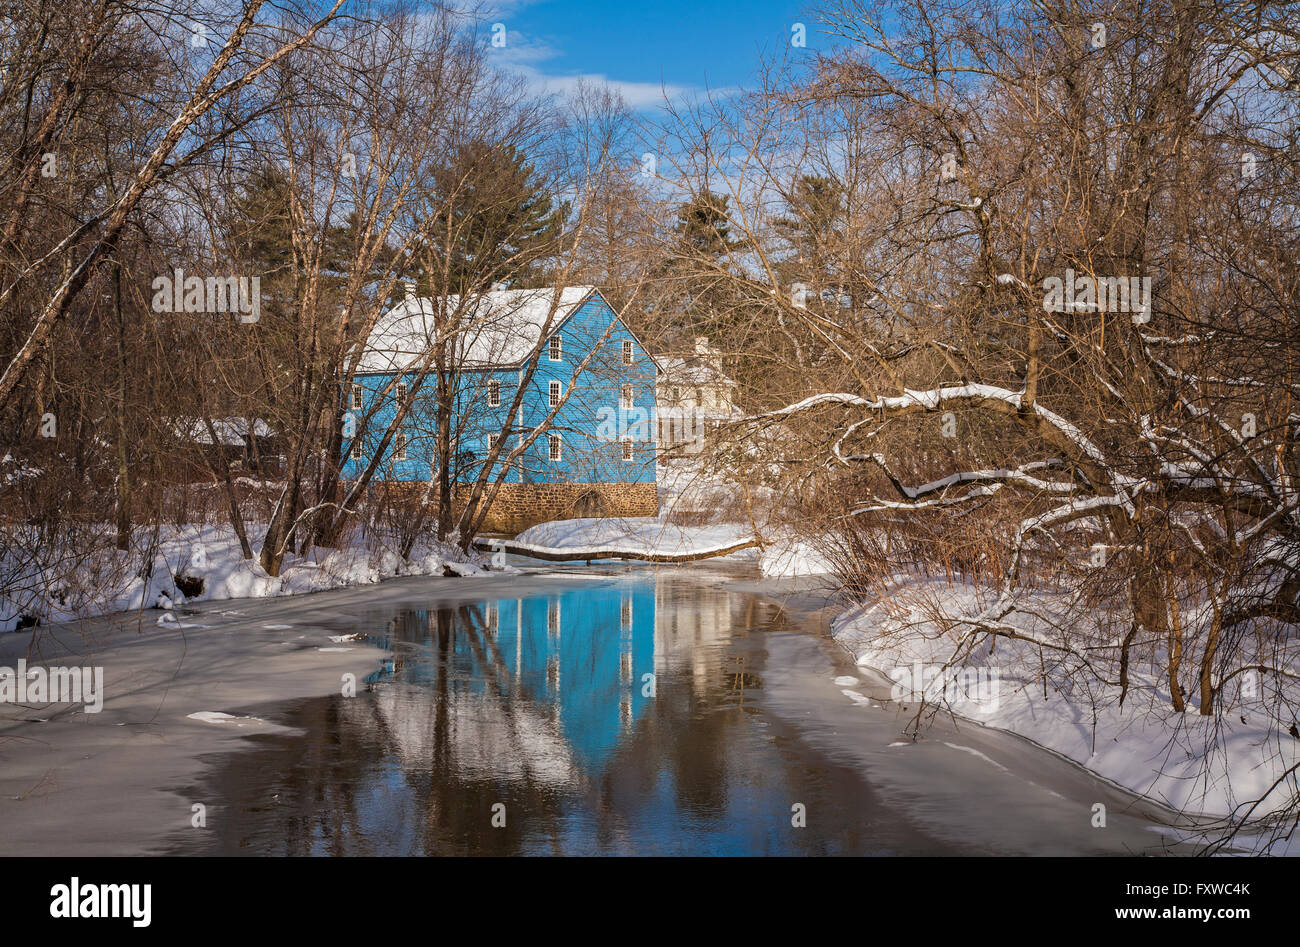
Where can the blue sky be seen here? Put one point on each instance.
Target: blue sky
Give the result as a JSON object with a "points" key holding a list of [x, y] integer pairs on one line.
{"points": [[634, 45]]}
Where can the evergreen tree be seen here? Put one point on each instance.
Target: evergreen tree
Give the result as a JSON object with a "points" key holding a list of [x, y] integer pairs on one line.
{"points": [[704, 227], [814, 231], [814, 224], [495, 221]]}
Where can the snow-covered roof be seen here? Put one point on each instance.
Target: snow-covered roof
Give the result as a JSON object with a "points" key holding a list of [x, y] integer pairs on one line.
{"points": [[231, 432], [691, 371], [502, 328]]}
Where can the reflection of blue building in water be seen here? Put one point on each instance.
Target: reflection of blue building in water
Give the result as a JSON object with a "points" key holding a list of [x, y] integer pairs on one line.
{"points": [[578, 663], [588, 655]]}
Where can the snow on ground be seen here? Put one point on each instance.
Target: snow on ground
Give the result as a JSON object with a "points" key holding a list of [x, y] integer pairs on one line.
{"points": [[687, 486], [1195, 764], [65, 588], [639, 534], [779, 557], [789, 557], [216, 716]]}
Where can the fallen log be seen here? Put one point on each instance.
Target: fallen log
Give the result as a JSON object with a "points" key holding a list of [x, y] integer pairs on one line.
{"points": [[562, 554]]}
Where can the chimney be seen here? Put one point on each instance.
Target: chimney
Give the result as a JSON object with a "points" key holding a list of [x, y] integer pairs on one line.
{"points": [[410, 291], [701, 345]]}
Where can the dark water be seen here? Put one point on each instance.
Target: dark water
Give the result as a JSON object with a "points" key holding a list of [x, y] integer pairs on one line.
{"points": [[658, 713]]}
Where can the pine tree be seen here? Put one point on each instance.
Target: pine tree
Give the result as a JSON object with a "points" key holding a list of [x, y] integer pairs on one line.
{"points": [[704, 227], [495, 221], [814, 225]]}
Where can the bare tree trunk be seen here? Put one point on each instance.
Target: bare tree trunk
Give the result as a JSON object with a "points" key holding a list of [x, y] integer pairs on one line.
{"points": [[444, 460], [123, 512], [276, 542], [114, 220], [1175, 651], [1207, 661], [232, 499]]}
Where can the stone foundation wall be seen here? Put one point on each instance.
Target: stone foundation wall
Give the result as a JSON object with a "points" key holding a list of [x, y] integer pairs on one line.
{"points": [[521, 505]]}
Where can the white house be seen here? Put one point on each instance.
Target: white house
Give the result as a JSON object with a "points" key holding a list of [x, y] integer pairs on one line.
{"points": [[695, 398]]}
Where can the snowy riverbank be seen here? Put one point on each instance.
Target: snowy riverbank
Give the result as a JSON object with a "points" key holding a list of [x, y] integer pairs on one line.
{"points": [[198, 563], [204, 563], [1214, 765]]}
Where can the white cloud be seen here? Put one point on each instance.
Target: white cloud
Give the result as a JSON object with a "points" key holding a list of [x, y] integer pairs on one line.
{"points": [[635, 94], [524, 56], [521, 52]]}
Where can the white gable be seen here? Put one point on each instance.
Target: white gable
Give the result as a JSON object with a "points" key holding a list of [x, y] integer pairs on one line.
{"points": [[500, 328]]}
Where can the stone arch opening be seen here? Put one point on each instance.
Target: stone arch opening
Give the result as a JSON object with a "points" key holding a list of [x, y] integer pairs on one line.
{"points": [[588, 505]]}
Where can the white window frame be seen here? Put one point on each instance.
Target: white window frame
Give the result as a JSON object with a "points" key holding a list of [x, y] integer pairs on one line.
{"points": [[494, 393], [629, 450], [555, 348], [358, 398], [555, 392], [555, 448], [494, 438], [522, 459], [400, 393], [627, 398], [629, 356], [400, 443]]}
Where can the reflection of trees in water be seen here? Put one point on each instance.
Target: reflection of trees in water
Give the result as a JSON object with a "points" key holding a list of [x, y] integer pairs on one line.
{"points": [[416, 765], [468, 739], [689, 734], [340, 793], [295, 795], [698, 737]]}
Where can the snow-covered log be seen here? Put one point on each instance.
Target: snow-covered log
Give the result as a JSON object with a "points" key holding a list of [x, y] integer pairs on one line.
{"points": [[576, 553]]}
